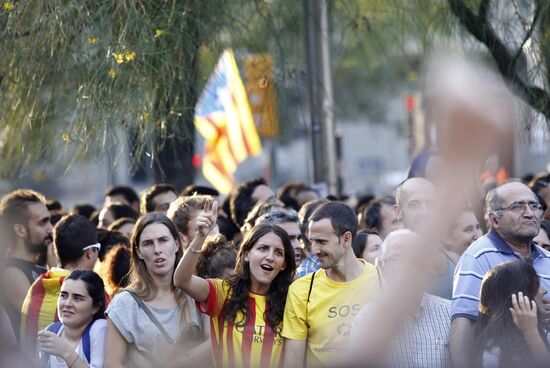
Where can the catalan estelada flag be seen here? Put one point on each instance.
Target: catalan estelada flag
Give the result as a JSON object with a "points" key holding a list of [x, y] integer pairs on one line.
{"points": [[223, 118], [40, 307]]}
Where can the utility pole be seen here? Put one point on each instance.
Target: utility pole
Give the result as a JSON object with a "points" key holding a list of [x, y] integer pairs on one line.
{"points": [[323, 146]]}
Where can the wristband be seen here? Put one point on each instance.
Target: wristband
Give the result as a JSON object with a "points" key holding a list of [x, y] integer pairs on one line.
{"points": [[195, 251]]}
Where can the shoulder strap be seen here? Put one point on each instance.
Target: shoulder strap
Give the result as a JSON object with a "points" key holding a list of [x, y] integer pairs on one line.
{"points": [[310, 287], [54, 327], [151, 316], [44, 356], [86, 342]]}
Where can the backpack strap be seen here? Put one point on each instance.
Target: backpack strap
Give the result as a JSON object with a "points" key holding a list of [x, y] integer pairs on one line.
{"points": [[86, 341], [310, 287], [56, 326]]}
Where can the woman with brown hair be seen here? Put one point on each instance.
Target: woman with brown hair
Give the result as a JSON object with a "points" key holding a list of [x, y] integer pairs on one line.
{"points": [[247, 310], [149, 323], [509, 331]]}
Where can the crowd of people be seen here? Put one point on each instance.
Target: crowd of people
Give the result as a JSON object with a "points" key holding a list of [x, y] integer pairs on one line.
{"points": [[286, 278]]}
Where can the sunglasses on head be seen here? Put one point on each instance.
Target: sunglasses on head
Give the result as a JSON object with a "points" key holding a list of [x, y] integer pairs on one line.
{"points": [[96, 246]]}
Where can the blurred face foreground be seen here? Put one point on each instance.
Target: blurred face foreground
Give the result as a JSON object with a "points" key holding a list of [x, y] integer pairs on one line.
{"points": [[157, 249], [466, 231], [266, 259]]}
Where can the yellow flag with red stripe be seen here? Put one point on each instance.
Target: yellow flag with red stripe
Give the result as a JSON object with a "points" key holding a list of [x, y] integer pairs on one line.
{"points": [[224, 119]]}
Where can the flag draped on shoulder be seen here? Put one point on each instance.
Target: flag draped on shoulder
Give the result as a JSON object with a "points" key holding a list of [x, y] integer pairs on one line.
{"points": [[224, 119]]}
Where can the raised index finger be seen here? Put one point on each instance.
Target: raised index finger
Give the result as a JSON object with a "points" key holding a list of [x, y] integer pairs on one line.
{"points": [[215, 208], [207, 205]]}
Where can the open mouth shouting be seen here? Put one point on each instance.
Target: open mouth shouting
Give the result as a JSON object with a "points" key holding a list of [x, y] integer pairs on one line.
{"points": [[267, 268]]}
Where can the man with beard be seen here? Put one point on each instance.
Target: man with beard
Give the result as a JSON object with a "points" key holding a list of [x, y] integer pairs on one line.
{"points": [[30, 231], [514, 215], [320, 307]]}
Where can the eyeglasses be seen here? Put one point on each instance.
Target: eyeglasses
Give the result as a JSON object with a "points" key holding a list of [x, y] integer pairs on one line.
{"points": [[96, 246], [518, 207]]}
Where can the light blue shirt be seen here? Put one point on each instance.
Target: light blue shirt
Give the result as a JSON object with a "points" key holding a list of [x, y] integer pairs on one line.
{"points": [[485, 253]]}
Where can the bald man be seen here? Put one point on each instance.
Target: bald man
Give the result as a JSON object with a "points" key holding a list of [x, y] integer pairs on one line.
{"points": [[414, 198], [514, 214]]}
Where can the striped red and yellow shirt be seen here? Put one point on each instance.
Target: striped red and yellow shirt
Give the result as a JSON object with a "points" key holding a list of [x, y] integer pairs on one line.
{"points": [[256, 344]]}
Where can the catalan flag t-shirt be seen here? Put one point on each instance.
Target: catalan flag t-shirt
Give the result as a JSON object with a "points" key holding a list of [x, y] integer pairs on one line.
{"points": [[255, 344]]}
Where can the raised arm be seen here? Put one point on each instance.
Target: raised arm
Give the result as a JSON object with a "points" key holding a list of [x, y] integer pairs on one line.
{"points": [[184, 277]]}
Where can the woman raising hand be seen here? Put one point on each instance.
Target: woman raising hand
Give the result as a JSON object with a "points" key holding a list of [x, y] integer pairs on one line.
{"points": [[246, 311]]}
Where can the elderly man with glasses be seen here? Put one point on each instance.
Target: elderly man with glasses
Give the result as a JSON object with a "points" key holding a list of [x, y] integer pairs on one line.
{"points": [[514, 215]]}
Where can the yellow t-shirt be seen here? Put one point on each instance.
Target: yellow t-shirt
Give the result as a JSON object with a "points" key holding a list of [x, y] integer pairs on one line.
{"points": [[325, 322], [255, 344]]}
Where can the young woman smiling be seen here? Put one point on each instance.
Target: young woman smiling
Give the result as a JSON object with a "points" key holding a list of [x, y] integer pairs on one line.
{"points": [[78, 340], [246, 311], [148, 322]]}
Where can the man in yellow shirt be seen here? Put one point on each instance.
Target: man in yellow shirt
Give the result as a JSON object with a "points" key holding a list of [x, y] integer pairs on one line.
{"points": [[321, 306]]}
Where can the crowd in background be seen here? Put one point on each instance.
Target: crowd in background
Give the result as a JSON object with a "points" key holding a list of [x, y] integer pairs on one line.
{"points": [[287, 278]]}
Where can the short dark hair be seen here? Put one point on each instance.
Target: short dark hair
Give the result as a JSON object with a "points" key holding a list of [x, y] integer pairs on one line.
{"points": [[118, 223], [120, 210], [125, 191], [84, 209], [539, 181], [151, 193], [241, 201], [109, 239], [290, 189], [53, 205], [305, 214], [70, 235], [360, 241], [95, 288], [200, 190], [227, 227], [341, 216], [14, 206], [371, 213]]}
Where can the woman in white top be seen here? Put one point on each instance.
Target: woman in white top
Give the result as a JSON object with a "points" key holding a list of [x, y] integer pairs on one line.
{"points": [[149, 319], [77, 341]]}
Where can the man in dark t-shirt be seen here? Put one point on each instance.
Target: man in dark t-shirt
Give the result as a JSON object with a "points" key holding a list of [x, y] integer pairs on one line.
{"points": [[29, 231]]}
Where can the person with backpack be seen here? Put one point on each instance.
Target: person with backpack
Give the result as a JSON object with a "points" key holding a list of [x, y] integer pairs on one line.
{"points": [[77, 340], [77, 246], [247, 310]]}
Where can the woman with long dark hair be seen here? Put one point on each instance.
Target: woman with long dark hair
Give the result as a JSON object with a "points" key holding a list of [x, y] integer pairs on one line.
{"points": [[509, 331], [78, 339], [246, 311], [149, 322]]}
